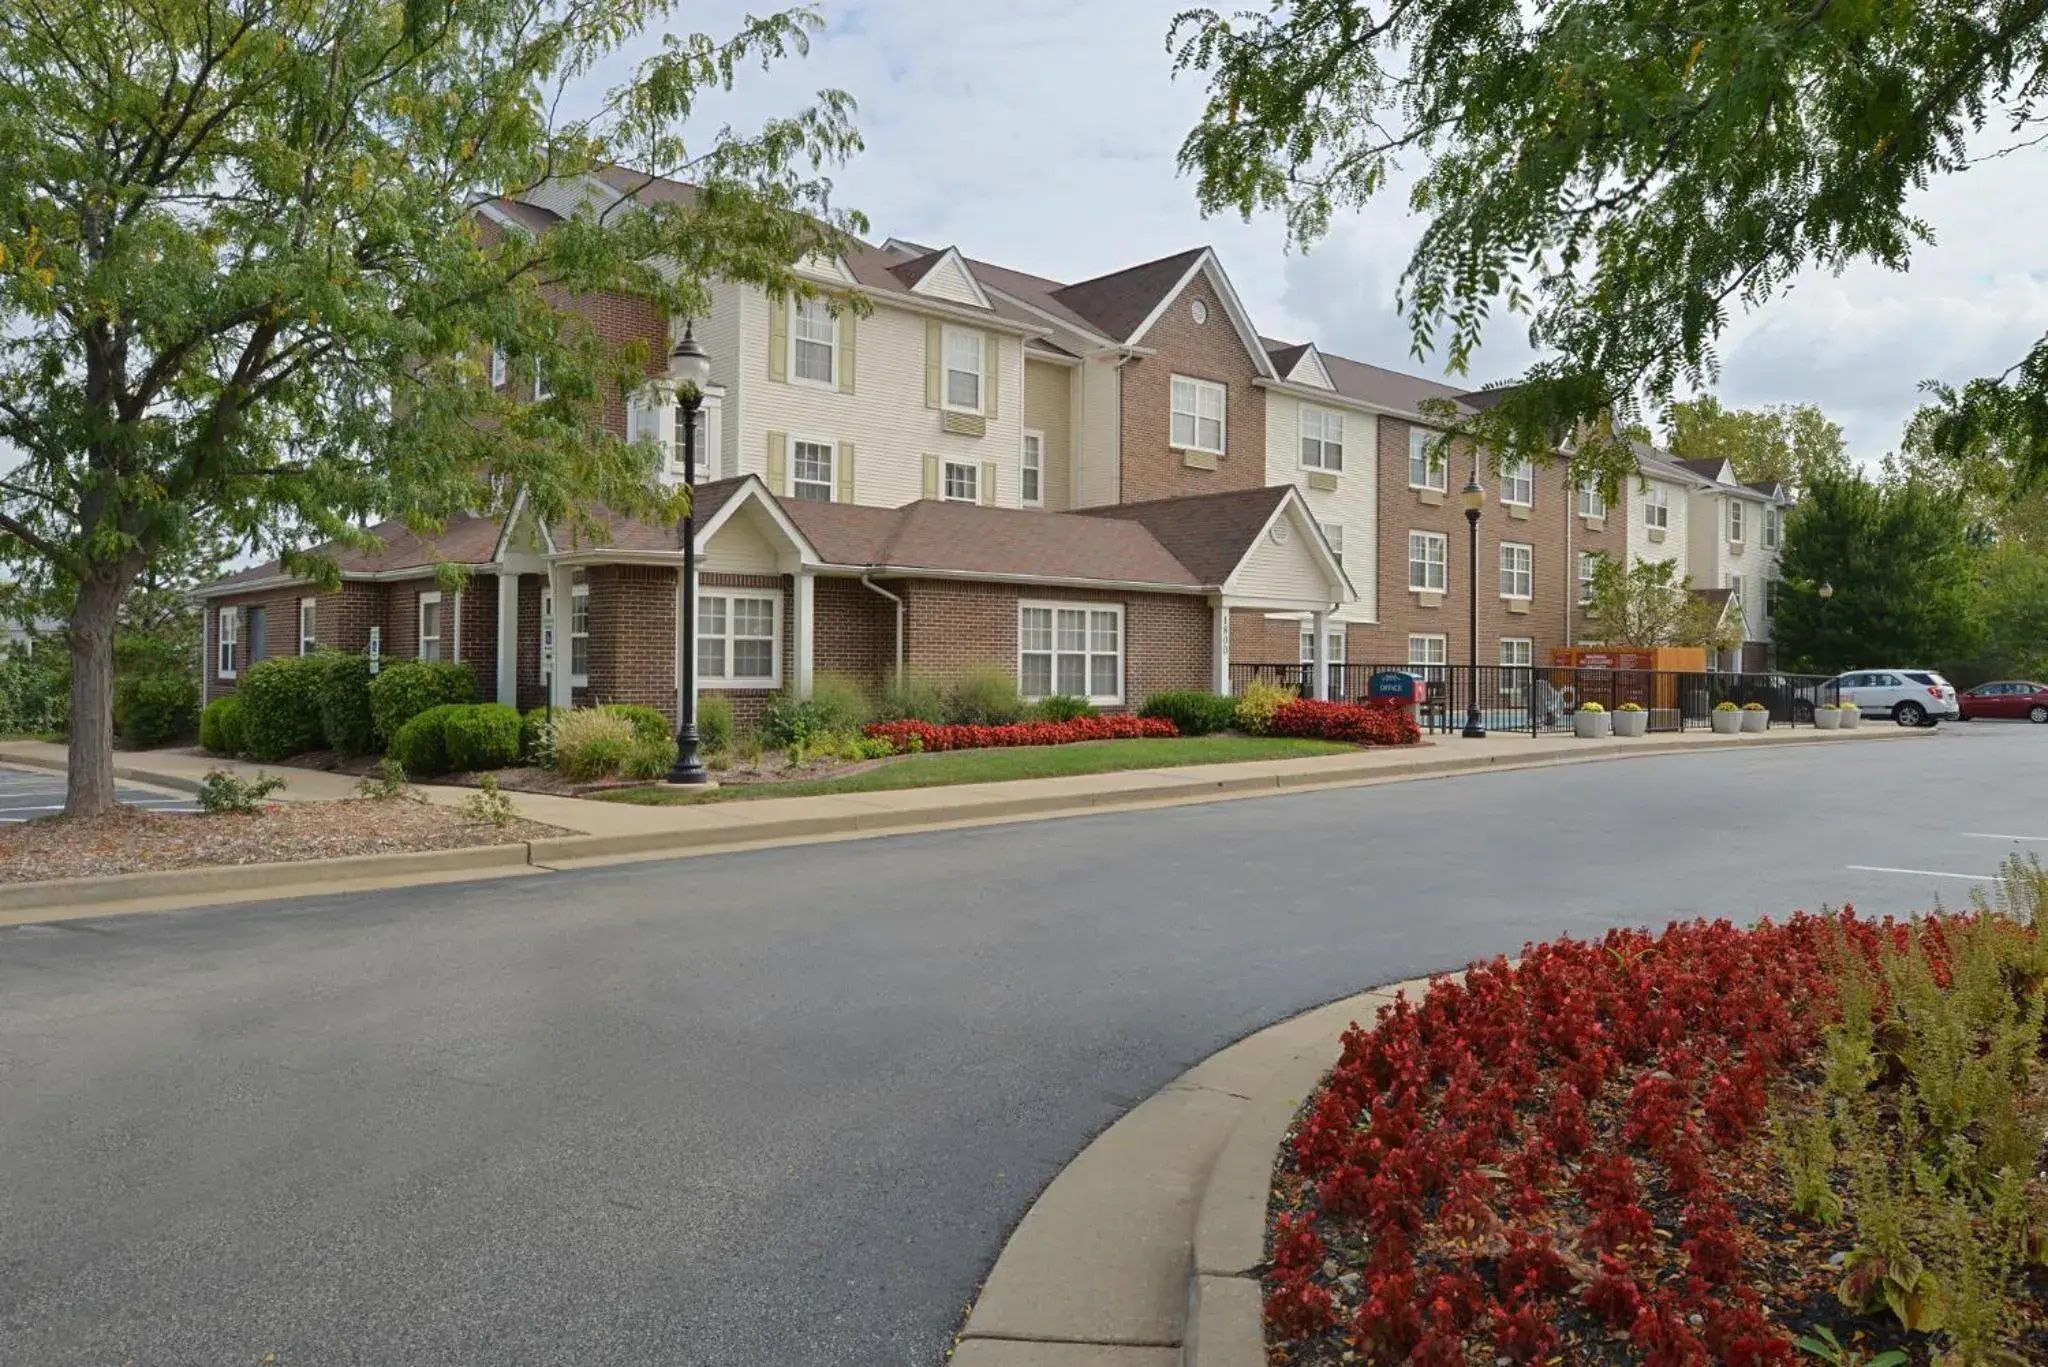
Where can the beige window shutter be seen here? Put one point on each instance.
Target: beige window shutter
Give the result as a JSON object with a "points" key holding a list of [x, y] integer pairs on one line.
{"points": [[778, 341], [846, 330], [931, 476], [988, 484], [934, 362], [778, 463], [991, 355], [846, 472]]}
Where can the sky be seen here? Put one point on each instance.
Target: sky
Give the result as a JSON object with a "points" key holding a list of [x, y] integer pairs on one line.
{"points": [[1043, 134]]}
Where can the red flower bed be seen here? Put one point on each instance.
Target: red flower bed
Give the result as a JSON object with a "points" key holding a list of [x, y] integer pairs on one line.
{"points": [[907, 736], [1559, 1162], [1355, 723]]}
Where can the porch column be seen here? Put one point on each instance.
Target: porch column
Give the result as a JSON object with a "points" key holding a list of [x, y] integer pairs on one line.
{"points": [[561, 586], [508, 638], [1220, 644], [1322, 655], [806, 635]]}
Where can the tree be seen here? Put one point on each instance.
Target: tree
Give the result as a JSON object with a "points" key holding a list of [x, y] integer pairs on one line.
{"points": [[237, 238], [1788, 444], [1623, 172], [1648, 604], [1905, 577]]}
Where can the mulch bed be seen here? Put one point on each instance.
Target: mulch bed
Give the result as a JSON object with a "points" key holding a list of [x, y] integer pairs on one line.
{"points": [[772, 767], [131, 841]]}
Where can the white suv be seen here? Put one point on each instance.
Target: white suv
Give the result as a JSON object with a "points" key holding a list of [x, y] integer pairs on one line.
{"points": [[1910, 697]]}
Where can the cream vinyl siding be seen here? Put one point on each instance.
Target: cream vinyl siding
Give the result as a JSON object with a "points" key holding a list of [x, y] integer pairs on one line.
{"points": [[720, 334], [1704, 519], [884, 418], [1673, 546], [740, 548], [1353, 504], [1098, 447], [1286, 569], [949, 282], [1048, 408]]}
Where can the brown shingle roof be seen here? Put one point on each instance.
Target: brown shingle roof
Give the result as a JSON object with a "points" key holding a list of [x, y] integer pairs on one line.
{"points": [[1387, 388], [1208, 533], [468, 540], [1116, 303], [965, 538]]}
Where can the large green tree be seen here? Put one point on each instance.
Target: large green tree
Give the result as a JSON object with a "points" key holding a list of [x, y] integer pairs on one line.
{"points": [[1904, 576], [239, 237], [1788, 444], [1628, 173], [1650, 604]]}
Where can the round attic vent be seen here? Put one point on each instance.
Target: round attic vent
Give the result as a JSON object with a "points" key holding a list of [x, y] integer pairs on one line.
{"points": [[1280, 533], [1200, 309]]}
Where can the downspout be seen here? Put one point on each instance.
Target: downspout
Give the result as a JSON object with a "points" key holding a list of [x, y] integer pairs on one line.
{"points": [[1571, 562], [868, 583]]}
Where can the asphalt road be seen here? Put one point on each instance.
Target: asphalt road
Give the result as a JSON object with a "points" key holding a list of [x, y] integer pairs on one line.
{"points": [[783, 1107], [24, 796]]}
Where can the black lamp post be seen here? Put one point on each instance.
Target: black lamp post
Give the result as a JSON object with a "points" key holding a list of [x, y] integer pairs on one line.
{"points": [[1827, 591], [690, 368], [1475, 497]]}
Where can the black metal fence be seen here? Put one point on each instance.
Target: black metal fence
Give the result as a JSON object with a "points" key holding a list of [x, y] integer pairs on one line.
{"points": [[1542, 698]]}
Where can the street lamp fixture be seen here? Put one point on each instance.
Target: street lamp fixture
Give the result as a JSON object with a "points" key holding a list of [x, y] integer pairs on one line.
{"points": [[689, 367], [1827, 591], [1475, 499]]}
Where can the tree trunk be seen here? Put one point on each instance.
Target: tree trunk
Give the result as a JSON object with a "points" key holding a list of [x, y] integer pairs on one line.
{"points": [[89, 790]]}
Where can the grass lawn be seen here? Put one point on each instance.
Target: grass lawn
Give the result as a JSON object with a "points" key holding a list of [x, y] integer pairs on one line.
{"points": [[990, 766]]}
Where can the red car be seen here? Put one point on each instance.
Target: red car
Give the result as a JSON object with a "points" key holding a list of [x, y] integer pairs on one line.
{"points": [[2013, 698]]}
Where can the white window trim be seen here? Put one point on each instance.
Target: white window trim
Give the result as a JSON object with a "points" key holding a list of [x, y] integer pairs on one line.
{"points": [[1444, 563], [1737, 525], [1656, 508], [1524, 473], [1336, 542], [309, 641], [1031, 434], [1587, 558], [1773, 527], [1324, 445], [227, 640], [420, 637], [1436, 478], [1333, 641], [831, 382], [1222, 392], [1440, 638], [653, 400], [1088, 656], [541, 388], [946, 335], [831, 463], [1514, 688], [500, 368], [973, 474], [1528, 571], [752, 682], [1592, 503], [565, 633]]}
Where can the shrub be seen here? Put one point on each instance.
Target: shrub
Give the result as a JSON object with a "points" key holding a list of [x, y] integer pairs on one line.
{"points": [[1196, 713], [488, 804], [220, 726], [589, 744], [1590, 706], [1257, 704], [533, 735], [840, 703], [1630, 707], [421, 745], [221, 793], [281, 707], [1726, 705], [35, 691], [914, 737], [714, 722], [1060, 707], [985, 697], [344, 694], [912, 700], [1754, 707], [404, 690], [482, 736], [1354, 723], [648, 724], [650, 759], [154, 709], [388, 781]]}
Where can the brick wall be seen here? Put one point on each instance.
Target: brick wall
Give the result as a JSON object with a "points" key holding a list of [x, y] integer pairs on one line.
{"points": [[1207, 351], [480, 633], [854, 631], [748, 704], [1258, 639], [619, 320], [531, 691], [633, 635]]}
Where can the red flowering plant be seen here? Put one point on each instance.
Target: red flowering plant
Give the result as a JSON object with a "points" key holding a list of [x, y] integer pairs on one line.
{"points": [[1579, 1158], [1354, 723], [908, 736]]}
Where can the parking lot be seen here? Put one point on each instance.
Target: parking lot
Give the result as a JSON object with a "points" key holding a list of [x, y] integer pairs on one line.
{"points": [[28, 794]]}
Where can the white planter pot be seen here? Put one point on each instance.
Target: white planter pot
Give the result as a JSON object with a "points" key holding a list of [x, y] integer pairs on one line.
{"points": [[1631, 724], [1754, 723], [1851, 718], [1726, 723], [1591, 725], [1827, 718]]}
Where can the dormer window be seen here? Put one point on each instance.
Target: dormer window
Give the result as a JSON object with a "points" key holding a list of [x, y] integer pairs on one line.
{"points": [[814, 343]]}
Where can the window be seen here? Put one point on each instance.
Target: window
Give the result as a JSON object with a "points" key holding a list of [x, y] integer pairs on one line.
{"points": [[1428, 561], [962, 483], [647, 420], [1334, 642], [430, 626], [541, 388], [1078, 651], [1592, 503], [1333, 532], [1518, 484], [1772, 517], [1422, 473], [810, 470], [963, 370], [1197, 421], [813, 342], [1735, 590], [1517, 570], [1656, 508], [1589, 561], [1429, 650], [1322, 439], [226, 633], [1770, 598], [1032, 489], [736, 639], [259, 634], [579, 632], [1517, 656], [499, 367], [1734, 522], [309, 624]]}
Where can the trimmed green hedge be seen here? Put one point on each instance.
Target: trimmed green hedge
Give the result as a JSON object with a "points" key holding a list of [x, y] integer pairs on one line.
{"points": [[154, 709], [483, 736], [1192, 711], [421, 745], [220, 726], [649, 726], [404, 690], [281, 707], [344, 691]]}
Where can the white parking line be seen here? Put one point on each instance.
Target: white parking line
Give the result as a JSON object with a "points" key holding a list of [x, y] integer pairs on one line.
{"points": [[1923, 873], [1985, 835]]}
